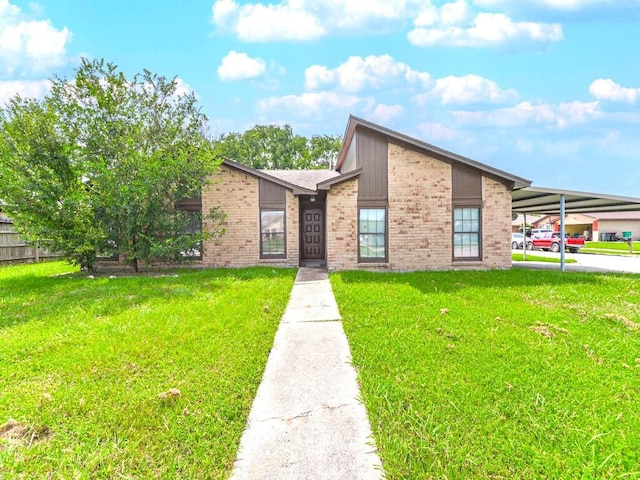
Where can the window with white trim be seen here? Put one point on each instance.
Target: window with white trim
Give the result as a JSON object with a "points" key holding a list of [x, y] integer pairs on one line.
{"points": [[372, 235], [466, 233], [272, 233]]}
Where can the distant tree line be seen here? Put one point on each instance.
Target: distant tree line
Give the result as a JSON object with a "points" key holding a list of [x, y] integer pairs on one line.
{"points": [[277, 147]]}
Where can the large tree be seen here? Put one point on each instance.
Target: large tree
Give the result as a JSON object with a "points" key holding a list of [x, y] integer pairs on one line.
{"points": [[98, 165], [277, 147]]}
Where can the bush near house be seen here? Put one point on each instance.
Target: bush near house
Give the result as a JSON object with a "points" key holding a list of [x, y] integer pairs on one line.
{"points": [[97, 167]]}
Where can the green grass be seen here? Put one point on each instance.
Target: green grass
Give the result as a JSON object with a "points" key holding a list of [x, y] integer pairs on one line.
{"points": [[610, 247], [83, 361], [519, 257], [512, 374]]}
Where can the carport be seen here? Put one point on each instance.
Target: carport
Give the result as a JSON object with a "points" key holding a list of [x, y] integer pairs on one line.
{"points": [[551, 201]]}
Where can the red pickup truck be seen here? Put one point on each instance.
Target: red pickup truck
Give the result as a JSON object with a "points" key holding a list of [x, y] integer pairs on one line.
{"points": [[551, 241]]}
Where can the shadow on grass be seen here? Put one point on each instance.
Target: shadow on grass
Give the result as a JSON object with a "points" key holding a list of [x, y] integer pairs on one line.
{"points": [[30, 296], [457, 280]]}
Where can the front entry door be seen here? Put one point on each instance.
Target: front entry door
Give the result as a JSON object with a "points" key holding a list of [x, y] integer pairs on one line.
{"points": [[312, 234]]}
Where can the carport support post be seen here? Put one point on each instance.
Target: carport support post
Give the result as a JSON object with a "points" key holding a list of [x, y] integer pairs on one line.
{"points": [[524, 238], [562, 239]]}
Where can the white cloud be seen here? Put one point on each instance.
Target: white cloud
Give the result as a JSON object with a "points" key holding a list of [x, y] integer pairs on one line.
{"points": [[314, 104], [607, 89], [454, 23], [525, 113], [437, 132], [182, 88], [26, 89], [30, 45], [485, 29], [301, 20], [567, 5], [239, 66], [465, 90], [357, 74], [385, 113], [264, 23]]}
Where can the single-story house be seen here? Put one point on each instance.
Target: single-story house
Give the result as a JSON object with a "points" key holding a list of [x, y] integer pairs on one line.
{"points": [[604, 226], [391, 202], [516, 225]]}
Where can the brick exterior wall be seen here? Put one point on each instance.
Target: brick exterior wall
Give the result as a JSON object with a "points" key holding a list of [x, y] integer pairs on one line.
{"points": [[293, 233], [496, 224], [237, 193], [419, 220], [342, 226], [420, 215]]}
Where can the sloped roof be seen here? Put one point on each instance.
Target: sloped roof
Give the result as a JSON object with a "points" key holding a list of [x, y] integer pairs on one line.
{"points": [[300, 182], [419, 145], [520, 219], [635, 215], [308, 179]]}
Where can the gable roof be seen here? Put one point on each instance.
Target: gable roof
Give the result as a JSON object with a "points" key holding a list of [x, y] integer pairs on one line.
{"points": [[423, 147], [300, 182], [308, 179], [634, 215]]}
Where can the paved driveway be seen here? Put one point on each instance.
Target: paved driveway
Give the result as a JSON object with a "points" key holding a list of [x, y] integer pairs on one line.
{"points": [[588, 262]]}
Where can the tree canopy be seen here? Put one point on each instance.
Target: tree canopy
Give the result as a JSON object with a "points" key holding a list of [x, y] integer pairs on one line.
{"points": [[97, 166], [277, 147]]}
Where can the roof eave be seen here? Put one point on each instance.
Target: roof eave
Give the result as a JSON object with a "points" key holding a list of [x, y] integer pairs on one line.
{"points": [[327, 184], [296, 189], [354, 122]]}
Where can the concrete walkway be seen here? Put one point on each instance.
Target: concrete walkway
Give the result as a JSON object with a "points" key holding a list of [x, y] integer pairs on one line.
{"points": [[306, 421]]}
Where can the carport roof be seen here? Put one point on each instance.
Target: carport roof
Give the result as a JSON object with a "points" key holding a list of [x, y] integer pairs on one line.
{"points": [[547, 201]]}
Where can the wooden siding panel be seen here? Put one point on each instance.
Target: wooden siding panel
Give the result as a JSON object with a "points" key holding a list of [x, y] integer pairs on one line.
{"points": [[271, 194], [372, 156], [350, 163], [466, 184], [190, 204]]}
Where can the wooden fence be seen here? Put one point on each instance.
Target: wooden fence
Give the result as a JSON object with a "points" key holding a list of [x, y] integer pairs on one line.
{"points": [[13, 248]]}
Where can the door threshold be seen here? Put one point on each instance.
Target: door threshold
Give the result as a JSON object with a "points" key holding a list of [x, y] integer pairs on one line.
{"points": [[312, 263]]}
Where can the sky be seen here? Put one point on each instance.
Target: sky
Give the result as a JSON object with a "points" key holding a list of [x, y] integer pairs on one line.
{"points": [[548, 90]]}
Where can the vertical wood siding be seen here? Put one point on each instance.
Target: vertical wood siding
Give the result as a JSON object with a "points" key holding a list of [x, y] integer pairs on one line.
{"points": [[372, 154], [466, 184]]}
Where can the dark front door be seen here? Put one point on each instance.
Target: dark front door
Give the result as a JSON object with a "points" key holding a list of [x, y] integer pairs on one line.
{"points": [[312, 234]]}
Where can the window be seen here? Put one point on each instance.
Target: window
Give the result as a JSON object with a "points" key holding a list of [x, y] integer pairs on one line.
{"points": [[372, 228], [466, 233], [193, 227], [272, 233]]}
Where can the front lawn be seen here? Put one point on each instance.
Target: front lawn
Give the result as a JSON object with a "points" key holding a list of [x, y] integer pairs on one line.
{"points": [[611, 247], [519, 257], [131, 377], [514, 374]]}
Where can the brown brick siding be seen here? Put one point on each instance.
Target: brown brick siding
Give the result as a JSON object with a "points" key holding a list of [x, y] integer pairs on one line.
{"points": [[237, 195], [419, 218], [496, 224], [342, 226], [419, 211]]}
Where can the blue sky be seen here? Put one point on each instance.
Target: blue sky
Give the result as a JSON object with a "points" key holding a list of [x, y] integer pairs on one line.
{"points": [[545, 89]]}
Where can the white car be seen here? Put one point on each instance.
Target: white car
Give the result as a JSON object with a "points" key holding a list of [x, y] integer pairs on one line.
{"points": [[517, 239]]}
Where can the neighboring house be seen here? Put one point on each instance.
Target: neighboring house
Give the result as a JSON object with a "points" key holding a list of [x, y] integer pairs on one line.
{"points": [[603, 226], [516, 225], [392, 202]]}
